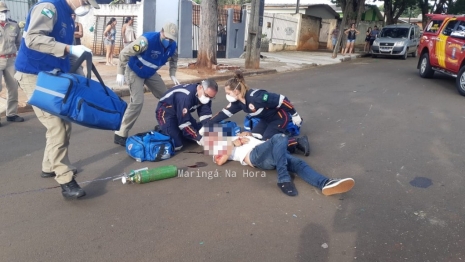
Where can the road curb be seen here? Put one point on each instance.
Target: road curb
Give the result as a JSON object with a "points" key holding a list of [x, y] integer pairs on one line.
{"points": [[125, 92]]}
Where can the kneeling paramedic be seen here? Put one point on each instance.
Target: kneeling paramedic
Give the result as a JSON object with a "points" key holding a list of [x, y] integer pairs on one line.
{"points": [[139, 62], [47, 40], [173, 112]]}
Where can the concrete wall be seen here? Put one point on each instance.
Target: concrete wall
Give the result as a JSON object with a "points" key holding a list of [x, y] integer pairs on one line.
{"points": [[111, 10], [308, 38], [332, 25], [166, 11]]}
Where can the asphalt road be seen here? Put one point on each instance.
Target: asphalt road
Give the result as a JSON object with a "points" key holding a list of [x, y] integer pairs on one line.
{"points": [[376, 120]]}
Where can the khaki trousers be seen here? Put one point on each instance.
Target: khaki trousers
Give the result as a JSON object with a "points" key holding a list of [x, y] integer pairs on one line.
{"points": [[7, 71], [136, 89], [57, 135]]}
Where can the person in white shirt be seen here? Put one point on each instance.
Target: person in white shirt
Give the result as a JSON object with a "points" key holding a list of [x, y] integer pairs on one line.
{"points": [[268, 155]]}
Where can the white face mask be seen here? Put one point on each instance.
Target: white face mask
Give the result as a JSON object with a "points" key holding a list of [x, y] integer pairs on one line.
{"points": [[203, 99], [82, 10], [231, 99], [2, 16]]}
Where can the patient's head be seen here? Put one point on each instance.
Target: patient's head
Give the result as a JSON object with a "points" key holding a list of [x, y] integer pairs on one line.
{"points": [[217, 140]]}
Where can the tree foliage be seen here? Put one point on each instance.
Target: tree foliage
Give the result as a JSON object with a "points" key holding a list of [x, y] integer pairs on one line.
{"points": [[458, 7]]}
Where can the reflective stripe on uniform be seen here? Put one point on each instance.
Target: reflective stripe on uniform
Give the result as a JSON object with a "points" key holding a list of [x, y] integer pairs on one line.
{"points": [[205, 117], [253, 92], [50, 92], [226, 112], [256, 112], [174, 91], [281, 99], [184, 125], [146, 63]]}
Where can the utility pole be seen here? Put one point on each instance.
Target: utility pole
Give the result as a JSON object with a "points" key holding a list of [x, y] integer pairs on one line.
{"points": [[297, 6], [254, 38]]}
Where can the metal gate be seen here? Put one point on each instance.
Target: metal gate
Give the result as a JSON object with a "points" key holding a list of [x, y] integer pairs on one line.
{"points": [[19, 9], [98, 46], [222, 19], [324, 32]]}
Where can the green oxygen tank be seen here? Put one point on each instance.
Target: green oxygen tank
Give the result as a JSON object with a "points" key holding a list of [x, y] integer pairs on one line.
{"points": [[145, 175]]}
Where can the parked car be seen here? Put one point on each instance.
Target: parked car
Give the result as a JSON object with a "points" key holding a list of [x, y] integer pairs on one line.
{"points": [[397, 40], [442, 48]]}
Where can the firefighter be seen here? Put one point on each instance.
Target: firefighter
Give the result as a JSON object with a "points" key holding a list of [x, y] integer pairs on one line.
{"points": [[173, 112], [272, 109]]}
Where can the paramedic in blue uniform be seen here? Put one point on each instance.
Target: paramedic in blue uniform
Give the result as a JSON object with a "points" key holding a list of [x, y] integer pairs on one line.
{"points": [[173, 112], [46, 45], [138, 63], [272, 109]]}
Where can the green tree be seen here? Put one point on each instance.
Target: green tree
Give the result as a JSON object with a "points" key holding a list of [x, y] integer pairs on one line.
{"points": [[457, 8]]}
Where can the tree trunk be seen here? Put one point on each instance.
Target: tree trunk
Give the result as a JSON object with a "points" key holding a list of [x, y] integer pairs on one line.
{"points": [[388, 12], [252, 54], [361, 9], [424, 10], [206, 55]]}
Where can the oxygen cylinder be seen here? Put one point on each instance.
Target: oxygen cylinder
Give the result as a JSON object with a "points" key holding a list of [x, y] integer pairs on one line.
{"points": [[146, 175]]}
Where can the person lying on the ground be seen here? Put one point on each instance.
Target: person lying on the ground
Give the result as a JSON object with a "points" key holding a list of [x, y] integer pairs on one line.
{"points": [[174, 109], [274, 111], [269, 155]]}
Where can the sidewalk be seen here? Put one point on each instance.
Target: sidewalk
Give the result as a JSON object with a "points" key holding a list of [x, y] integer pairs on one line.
{"points": [[270, 63]]}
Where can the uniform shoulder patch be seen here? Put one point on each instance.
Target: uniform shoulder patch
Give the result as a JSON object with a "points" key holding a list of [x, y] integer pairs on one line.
{"points": [[265, 97], [136, 48], [184, 111], [48, 13]]}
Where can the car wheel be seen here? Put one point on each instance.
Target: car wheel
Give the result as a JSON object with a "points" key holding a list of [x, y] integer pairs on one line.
{"points": [[404, 57], [425, 67], [460, 81]]}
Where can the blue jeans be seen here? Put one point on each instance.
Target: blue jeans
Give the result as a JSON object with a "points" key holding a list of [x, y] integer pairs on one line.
{"points": [[273, 154]]}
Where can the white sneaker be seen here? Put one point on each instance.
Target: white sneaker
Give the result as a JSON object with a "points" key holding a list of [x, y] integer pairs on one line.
{"points": [[338, 186], [108, 64]]}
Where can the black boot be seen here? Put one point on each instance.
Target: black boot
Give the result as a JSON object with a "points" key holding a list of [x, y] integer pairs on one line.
{"points": [[119, 140], [72, 190], [303, 145]]}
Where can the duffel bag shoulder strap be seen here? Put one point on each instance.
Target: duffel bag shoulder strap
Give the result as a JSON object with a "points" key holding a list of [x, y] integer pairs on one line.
{"points": [[86, 56]]}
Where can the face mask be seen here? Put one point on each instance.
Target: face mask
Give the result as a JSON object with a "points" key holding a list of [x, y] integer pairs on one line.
{"points": [[165, 43], [82, 10], [2, 17], [204, 100], [231, 99]]}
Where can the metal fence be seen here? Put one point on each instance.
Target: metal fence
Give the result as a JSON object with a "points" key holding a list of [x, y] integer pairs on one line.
{"points": [[98, 46], [222, 19], [19, 9]]}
